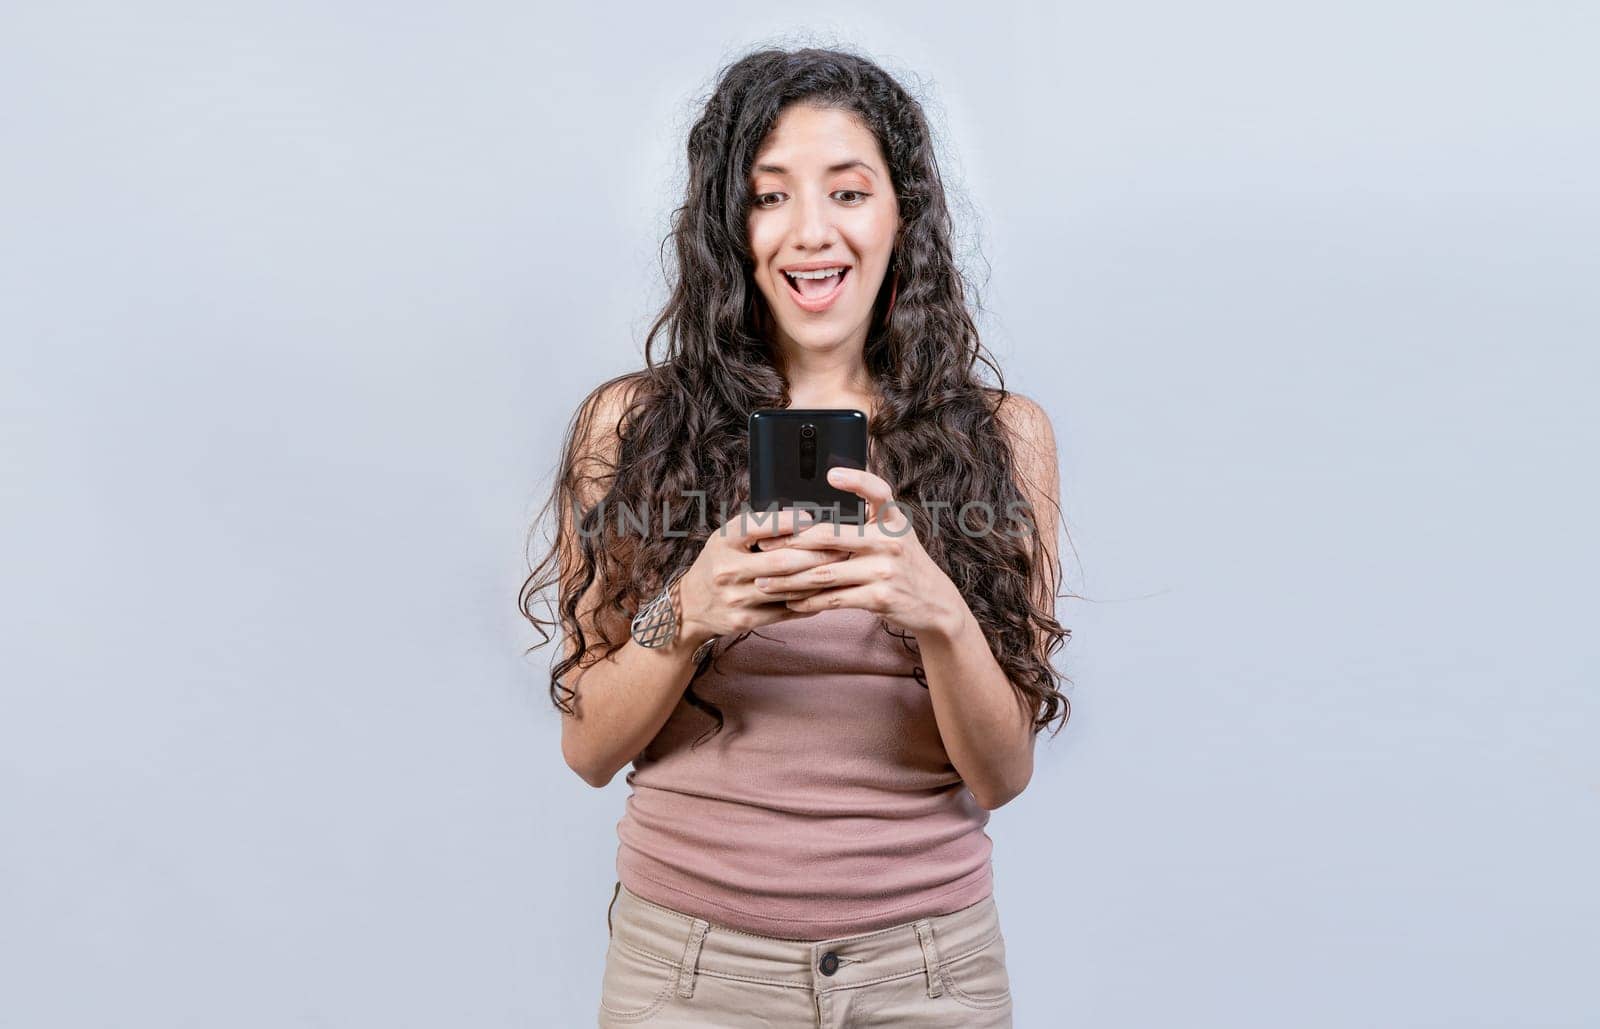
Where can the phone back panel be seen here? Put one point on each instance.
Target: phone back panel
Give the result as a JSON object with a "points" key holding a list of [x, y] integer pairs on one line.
{"points": [[791, 450]]}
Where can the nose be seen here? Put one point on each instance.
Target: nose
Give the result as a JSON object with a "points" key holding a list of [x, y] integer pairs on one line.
{"points": [[813, 224]]}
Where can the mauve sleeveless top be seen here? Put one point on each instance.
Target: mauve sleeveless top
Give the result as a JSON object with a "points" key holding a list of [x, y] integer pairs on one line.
{"points": [[825, 807]]}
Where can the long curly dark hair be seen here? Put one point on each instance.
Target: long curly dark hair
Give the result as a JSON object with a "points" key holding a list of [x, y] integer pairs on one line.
{"points": [[680, 424]]}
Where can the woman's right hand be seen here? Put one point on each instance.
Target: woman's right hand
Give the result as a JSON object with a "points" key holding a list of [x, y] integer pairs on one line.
{"points": [[718, 592]]}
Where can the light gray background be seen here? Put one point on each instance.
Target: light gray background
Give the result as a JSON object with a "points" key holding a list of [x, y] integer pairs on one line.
{"points": [[296, 299]]}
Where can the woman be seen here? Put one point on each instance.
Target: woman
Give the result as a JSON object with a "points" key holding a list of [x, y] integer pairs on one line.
{"points": [[818, 744]]}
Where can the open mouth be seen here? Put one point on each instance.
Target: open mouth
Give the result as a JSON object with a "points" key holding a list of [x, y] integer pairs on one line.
{"points": [[815, 291]]}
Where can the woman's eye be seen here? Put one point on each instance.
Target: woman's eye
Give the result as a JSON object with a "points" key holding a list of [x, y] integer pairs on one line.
{"points": [[760, 199]]}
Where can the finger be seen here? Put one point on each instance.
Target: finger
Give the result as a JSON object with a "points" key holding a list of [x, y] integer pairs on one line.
{"points": [[829, 576], [769, 597], [868, 487], [864, 597], [787, 561], [827, 528], [749, 526], [826, 536], [769, 614], [822, 530], [760, 600]]}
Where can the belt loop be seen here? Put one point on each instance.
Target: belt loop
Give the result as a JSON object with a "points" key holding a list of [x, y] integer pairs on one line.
{"points": [[930, 956], [691, 957], [617, 890]]}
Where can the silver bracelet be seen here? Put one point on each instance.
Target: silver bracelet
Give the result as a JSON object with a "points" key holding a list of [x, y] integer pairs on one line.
{"points": [[656, 624]]}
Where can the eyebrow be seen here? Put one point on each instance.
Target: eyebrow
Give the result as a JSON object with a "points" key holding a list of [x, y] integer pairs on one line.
{"points": [[776, 169]]}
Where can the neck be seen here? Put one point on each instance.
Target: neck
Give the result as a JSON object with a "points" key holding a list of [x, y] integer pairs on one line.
{"points": [[829, 379]]}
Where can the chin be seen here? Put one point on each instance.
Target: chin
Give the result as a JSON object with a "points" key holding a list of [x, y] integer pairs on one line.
{"points": [[816, 337]]}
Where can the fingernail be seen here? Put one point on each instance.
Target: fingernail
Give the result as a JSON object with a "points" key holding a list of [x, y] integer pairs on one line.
{"points": [[761, 583]]}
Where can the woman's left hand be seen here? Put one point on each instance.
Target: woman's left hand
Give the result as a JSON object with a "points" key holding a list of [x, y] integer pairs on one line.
{"points": [[887, 571]]}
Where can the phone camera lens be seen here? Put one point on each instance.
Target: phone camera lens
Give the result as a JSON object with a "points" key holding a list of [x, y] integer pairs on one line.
{"points": [[808, 431]]}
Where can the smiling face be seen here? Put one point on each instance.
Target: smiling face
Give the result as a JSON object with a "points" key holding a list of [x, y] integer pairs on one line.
{"points": [[823, 210]]}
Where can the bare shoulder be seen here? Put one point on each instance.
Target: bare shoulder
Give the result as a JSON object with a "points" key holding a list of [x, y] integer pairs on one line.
{"points": [[594, 435], [590, 461], [1027, 427], [1033, 449], [599, 418]]}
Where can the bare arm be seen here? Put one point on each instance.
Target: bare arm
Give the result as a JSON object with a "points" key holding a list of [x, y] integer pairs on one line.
{"points": [[987, 734], [622, 700]]}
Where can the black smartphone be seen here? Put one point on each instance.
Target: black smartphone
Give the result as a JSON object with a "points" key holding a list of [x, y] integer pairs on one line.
{"points": [[791, 450]]}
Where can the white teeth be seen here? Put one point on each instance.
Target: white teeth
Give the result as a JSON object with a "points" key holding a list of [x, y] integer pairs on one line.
{"points": [[825, 273]]}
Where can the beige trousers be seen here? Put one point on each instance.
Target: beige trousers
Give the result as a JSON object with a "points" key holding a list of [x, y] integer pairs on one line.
{"points": [[665, 968]]}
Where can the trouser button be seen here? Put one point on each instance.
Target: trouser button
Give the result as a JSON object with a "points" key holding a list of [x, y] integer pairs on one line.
{"points": [[830, 963]]}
